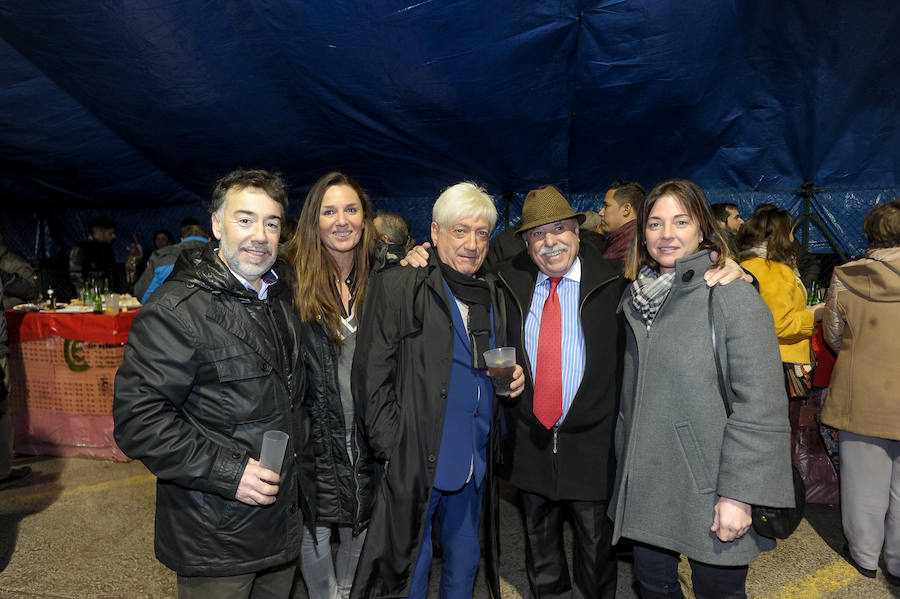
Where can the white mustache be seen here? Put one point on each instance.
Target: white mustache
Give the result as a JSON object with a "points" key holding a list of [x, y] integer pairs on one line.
{"points": [[556, 249]]}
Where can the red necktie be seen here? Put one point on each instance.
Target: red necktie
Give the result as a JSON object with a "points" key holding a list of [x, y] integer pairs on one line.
{"points": [[548, 375]]}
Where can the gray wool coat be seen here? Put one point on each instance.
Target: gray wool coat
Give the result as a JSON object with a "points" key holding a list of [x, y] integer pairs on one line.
{"points": [[677, 451]]}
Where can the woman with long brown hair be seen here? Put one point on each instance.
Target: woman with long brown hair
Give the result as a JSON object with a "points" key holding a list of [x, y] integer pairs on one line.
{"points": [[330, 257], [768, 250]]}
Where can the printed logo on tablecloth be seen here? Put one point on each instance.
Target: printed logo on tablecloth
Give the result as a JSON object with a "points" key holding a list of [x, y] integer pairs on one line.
{"points": [[73, 352]]}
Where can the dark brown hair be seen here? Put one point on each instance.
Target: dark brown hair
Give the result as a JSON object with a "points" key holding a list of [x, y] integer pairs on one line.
{"points": [[694, 201], [770, 225], [271, 183], [312, 270], [628, 192]]}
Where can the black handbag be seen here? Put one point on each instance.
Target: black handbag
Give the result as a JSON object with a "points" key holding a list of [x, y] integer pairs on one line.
{"points": [[773, 522]]}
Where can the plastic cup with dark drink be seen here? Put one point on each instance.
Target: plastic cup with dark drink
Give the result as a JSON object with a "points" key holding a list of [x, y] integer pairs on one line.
{"points": [[501, 362]]}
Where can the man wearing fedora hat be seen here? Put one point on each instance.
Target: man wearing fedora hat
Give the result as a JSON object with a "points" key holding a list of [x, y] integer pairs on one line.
{"points": [[561, 309]]}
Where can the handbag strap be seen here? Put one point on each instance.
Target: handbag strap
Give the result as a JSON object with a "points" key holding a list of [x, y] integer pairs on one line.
{"points": [[715, 349], [886, 264]]}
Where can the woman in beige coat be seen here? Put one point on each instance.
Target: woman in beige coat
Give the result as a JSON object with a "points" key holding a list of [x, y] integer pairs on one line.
{"points": [[862, 322]]}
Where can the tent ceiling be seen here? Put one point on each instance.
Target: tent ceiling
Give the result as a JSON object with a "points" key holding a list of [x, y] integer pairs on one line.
{"points": [[146, 102]]}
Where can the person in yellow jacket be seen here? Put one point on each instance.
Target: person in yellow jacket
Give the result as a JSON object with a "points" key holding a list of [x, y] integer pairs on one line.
{"points": [[767, 247]]}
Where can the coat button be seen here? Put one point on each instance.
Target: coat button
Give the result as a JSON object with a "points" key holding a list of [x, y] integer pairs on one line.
{"points": [[431, 458], [687, 276], [236, 455], [476, 413]]}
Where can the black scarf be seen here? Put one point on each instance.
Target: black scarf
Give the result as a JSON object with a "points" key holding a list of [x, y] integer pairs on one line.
{"points": [[474, 293]]}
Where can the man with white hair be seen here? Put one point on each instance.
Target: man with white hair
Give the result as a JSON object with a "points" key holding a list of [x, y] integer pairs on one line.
{"points": [[426, 405]]}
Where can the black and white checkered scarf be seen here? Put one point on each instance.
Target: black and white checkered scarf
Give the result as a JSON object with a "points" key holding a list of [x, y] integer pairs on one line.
{"points": [[649, 292]]}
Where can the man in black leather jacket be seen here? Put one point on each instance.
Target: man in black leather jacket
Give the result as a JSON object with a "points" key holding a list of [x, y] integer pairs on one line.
{"points": [[212, 362]]}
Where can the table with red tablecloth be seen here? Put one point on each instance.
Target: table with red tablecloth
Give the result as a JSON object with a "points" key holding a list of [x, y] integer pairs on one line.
{"points": [[62, 367]]}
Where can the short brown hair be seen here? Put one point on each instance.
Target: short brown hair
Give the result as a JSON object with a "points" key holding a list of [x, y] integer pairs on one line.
{"points": [[882, 225]]}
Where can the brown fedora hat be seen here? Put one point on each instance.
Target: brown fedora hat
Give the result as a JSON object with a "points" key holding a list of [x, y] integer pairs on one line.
{"points": [[546, 205]]}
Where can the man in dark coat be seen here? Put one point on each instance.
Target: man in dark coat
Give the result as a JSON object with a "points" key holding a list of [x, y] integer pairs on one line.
{"points": [[9, 476], [92, 261], [426, 406], [563, 464], [213, 361]]}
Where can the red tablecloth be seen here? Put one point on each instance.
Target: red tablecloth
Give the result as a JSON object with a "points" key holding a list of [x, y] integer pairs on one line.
{"points": [[97, 328], [62, 370]]}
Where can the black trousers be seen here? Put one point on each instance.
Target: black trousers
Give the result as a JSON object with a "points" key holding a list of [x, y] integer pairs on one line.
{"points": [[656, 571], [273, 583], [593, 561]]}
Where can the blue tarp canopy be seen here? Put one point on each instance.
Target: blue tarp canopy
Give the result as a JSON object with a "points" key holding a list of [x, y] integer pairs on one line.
{"points": [[135, 108]]}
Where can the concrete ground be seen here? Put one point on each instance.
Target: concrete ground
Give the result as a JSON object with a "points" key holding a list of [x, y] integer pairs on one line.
{"points": [[83, 529]]}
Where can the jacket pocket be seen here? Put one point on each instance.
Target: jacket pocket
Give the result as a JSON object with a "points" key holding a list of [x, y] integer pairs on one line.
{"points": [[246, 390], [690, 449], [240, 363]]}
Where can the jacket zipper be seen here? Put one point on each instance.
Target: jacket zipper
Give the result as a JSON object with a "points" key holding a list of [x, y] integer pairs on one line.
{"points": [[284, 358], [555, 429]]}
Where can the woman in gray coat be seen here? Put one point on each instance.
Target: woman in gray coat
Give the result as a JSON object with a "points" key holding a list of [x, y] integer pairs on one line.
{"points": [[687, 474]]}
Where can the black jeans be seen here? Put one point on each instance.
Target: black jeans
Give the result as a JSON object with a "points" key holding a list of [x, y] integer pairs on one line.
{"points": [[273, 583], [656, 571]]}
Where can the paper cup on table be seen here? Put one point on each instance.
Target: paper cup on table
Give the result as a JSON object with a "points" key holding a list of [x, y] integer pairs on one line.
{"points": [[272, 453], [113, 303], [501, 363]]}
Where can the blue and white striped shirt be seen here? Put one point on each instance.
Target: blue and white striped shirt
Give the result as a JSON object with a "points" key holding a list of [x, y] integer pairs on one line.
{"points": [[572, 337]]}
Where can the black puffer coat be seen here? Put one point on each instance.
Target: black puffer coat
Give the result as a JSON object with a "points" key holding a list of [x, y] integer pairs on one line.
{"points": [[344, 490], [209, 368]]}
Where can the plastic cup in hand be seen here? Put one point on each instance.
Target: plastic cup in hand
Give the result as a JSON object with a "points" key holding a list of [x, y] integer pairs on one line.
{"points": [[272, 453], [501, 362]]}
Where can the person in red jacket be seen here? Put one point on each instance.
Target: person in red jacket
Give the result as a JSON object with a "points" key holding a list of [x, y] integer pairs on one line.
{"points": [[618, 217]]}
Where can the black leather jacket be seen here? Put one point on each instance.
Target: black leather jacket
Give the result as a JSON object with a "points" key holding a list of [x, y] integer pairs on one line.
{"points": [[344, 490], [209, 368]]}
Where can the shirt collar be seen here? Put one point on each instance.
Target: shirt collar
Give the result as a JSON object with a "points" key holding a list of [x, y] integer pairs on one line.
{"points": [[268, 279], [574, 273]]}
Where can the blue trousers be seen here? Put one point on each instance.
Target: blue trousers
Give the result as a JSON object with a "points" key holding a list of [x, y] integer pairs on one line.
{"points": [[459, 513], [656, 571]]}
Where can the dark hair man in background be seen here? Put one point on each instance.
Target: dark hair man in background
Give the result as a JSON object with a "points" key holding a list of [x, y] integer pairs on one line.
{"points": [[93, 261], [729, 219], [619, 214]]}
